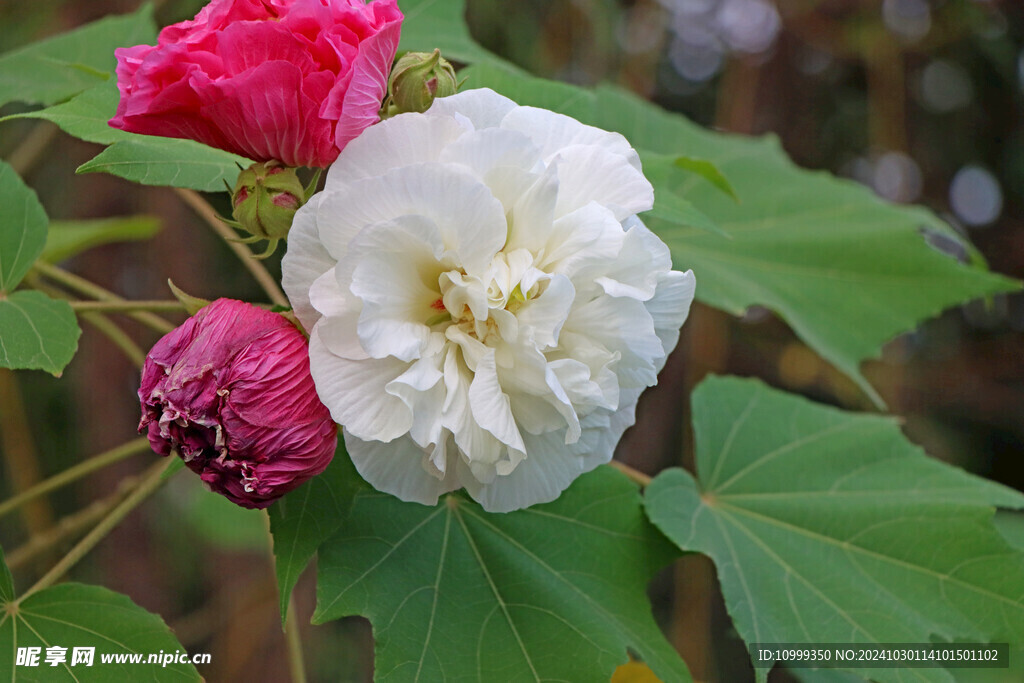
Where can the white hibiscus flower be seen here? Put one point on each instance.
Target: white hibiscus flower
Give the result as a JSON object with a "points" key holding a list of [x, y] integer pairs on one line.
{"points": [[484, 306]]}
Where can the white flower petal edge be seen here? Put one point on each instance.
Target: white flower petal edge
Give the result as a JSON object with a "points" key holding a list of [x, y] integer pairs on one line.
{"points": [[484, 306]]}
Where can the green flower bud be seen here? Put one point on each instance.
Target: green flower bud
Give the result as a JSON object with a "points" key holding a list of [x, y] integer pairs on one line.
{"points": [[265, 199], [417, 79]]}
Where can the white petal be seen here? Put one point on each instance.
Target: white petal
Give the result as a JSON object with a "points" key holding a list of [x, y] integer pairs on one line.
{"points": [[554, 132], [482, 151], [585, 394], [483, 107], [354, 392], [588, 237], [399, 141], [641, 262], [588, 173], [546, 314], [548, 470], [340, 309], [396, 266], [491, 410], [536, 398], [471, 221], [623, 326], [305, 261], [398, 468], [532, 214], [508, 183], [670, 306], [421, 388]]}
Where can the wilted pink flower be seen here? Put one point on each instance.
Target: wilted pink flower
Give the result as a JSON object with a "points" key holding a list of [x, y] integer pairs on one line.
{"points": [[230, 391], [291, 80]]}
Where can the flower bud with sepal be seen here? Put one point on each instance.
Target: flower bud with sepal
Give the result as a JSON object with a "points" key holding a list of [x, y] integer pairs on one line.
{"points": [[265, 199], [419, 78]]}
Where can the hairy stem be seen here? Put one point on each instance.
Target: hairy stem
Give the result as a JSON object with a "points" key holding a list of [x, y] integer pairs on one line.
{"points": [[150, 482], [85, 288], [74, 473], [257, 269]]}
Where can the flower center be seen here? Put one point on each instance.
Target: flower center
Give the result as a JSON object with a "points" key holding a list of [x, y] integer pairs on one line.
{"points": [[482, 305]]}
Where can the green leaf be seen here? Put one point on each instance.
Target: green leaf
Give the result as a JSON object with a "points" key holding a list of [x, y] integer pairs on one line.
{"points": [[308, 516], [54, 69], [553, 592], [168, 162], [440, 24], [22, 228], [74, 615], [828, 526], [845, 269], [706, 170], [670, 206], [36, 332], [1011, 526], [85, 115], [67, 238]]}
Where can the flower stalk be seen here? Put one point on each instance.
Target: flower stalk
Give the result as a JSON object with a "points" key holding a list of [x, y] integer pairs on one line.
{"points": [[75, 473], [150, 482], [255, 267], [126, 306], [83, 287]]}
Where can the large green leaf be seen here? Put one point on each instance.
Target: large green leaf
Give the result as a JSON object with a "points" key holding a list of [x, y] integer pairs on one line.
{"points": [[168, 162], [307, 517], [441, 24], [36, 332], [828, 526], [22, 228], [54, 69], [74, 615], [553, 592], [67, 238], [845, 269], [85, 115]]}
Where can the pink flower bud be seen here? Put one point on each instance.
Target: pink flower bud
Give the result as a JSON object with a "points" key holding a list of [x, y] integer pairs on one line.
{"points": [[230, 391]]}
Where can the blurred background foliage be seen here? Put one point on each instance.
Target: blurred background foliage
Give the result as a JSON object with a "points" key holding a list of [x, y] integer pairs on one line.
{"points": [[919, 99]]}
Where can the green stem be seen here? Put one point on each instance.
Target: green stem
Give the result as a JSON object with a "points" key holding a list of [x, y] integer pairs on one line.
{"points": [[291, 632], [150, 482], [19, 450], [117, 337], [90, 289], [255, 267], [26, 155], [636, 475], [69, 527], [74, 473], [105, 325], [126, 306], [296, 662]]}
